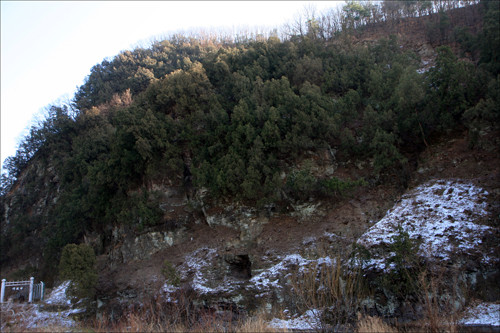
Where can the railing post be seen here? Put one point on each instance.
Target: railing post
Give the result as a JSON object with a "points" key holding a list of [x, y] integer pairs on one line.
{"points": [[42, 292], [31, 289], [3, 291]]}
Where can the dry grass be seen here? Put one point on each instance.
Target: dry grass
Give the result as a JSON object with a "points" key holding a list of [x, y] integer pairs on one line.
{"points": [[206, 323], [13, 317], [441, 296], [338, 290], [16, 317], [55, 328], [373, 325], [180, 316], [440, 314], [326, 287], [335, 289], [257, 324]]}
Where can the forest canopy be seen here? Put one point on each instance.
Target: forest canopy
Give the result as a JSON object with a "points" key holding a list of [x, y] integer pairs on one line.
{"points": [[231, 114]]}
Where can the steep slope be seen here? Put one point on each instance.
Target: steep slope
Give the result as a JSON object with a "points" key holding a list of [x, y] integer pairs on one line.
{"points": [[238, 164]]}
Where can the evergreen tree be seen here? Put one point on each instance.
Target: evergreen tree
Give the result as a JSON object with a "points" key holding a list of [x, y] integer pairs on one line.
{"points": [[78, 265]]}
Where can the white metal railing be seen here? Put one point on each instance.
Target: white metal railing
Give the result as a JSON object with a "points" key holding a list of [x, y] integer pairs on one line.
{"points": [[39, 290], [36, 291]]}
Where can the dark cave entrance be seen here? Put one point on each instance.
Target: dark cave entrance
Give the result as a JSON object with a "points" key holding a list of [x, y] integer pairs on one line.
{"points": [[240, 266]]}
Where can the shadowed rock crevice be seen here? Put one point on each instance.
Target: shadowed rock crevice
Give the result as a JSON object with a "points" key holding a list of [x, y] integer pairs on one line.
{"points": [[240, 266]]}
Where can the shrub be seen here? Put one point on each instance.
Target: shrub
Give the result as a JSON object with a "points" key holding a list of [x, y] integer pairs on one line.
{"points": [[78, 265], [171, 273], [402, 279], [335, 186], [303, 184]]}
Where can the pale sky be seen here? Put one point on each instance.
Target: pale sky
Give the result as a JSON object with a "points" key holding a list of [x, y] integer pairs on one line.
{"points": [[49, 47]]}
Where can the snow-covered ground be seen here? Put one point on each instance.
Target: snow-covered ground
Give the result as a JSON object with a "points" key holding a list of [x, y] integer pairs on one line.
{"points": [[39, 318], [58, 295], [199, 264], [311, 320], [482, 314], [196, 264], [269, 279], [440, 214], [198, 267], [32, 316]]}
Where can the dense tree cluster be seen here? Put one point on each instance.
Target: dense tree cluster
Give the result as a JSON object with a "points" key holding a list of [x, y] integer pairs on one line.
{"points": [[230, 118]]}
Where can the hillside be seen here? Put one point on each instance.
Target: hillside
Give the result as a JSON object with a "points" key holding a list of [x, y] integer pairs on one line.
{"points": [[228, 166]]}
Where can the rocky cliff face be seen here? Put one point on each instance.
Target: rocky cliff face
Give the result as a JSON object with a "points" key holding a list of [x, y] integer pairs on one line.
{"points": [[232, 254], [241, 256], [36, 191]]}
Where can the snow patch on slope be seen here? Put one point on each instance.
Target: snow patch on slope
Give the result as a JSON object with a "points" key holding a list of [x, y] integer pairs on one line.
{"points": [[58, 295], [34, 317], [199, 268], [440, 214], [269, 279], [311, 320], [39, 319], [196, 265], [482, 314]]}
